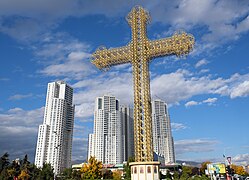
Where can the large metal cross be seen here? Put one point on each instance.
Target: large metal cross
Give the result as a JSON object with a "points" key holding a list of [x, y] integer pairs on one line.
{"points": [[139, 52]]}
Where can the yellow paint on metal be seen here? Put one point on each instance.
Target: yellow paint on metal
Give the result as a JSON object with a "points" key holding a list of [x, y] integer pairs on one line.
{"points": [[139, 52]]}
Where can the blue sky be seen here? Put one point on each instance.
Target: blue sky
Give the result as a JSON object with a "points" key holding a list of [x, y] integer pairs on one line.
{"points": [[207, 92]]}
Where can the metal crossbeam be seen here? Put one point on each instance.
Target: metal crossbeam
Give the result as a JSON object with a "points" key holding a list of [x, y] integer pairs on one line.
{"points": [[139, 52]]}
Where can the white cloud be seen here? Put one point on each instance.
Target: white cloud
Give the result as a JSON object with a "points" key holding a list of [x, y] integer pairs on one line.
{"points": [[20, 117], [64, 56], [191, 103], [70, 69], [119, 85], [20, 96], [201, 63], [173, 88], [210, 101], [224, 20], [177, 126], [241, 159], [204, 71], [80, 146], [194, 146], [20, 128], [180, 85], [242, 90]]}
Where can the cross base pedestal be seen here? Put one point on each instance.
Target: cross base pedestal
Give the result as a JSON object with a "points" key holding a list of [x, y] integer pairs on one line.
{"points": [[145, 170]]}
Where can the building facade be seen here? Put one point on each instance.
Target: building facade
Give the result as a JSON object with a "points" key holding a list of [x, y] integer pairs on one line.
{"points": [[106, 141], [54, 142], [163, 142], [127, 132]]}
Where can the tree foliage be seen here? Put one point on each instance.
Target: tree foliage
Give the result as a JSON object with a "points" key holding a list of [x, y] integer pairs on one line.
{"points": [[4, 161], [238, 170], [46, 172], [204, 166], [127, 168], [23, 170], [24, 175], [92, 169], [117, 175]]}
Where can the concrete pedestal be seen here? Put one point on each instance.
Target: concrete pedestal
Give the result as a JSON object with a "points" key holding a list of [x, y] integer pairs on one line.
{"points": [[145, 170]]}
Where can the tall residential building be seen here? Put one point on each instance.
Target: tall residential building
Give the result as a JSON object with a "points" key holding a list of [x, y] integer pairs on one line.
{"points": [[163, 142], [54, 143], [106, 141], [127, 132]]}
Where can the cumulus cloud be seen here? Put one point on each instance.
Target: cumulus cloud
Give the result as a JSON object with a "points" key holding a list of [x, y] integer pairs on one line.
{"points": [[118, 85], [242, 90], [20, 128], [191, 103], [173, 88], [181, 85], [177, 126], [64, 56], [20, 96], [210, 101], [80, 146], [241, 159], [194, 146], [201, 63], [224, 20]]}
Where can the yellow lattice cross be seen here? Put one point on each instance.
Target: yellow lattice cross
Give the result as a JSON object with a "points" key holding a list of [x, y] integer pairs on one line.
{"points": [[139, 52]]}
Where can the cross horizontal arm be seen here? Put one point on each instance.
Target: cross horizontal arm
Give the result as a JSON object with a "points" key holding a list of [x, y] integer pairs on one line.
{"points": [[105, 58], [180, 44]]}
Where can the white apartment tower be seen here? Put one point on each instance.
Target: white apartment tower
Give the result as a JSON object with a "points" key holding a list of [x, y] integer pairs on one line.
{"points": [[54, 143], [106, 141], [127, 132], [163, 142]]}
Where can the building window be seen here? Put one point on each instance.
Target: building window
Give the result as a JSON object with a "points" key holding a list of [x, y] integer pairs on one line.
{"points": [[99, 103], [141, 170], [135, 170], [155, 170], [148, 169]]}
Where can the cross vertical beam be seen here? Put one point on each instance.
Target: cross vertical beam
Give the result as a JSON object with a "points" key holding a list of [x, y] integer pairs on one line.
{"points": [[139, 52], [138, 19]]}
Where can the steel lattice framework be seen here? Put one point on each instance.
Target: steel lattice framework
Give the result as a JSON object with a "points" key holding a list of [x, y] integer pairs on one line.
{"points": [[139, 52]]}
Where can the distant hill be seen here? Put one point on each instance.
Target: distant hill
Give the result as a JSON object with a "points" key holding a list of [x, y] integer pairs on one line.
{"points": [[78, 161], [185, 163], [189, 163]]}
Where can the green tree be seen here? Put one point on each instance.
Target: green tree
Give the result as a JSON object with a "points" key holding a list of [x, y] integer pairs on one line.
{"points": [[4, 161], [106, 174], [46, 172], [204, 166], [34, 172], [92, 169], [14, 169], [4, 165], [76, 175], [127, 168], [67, 174]]}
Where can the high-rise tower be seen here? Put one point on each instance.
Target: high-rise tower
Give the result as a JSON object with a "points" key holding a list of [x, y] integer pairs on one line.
{"points": [[127, 132], [106, 141], [162, 136], [54, 143]]}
